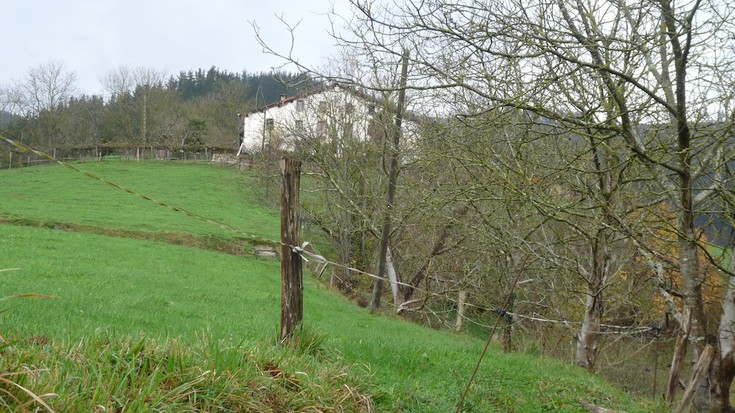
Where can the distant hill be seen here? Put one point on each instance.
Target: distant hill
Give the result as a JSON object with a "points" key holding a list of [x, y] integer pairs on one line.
{"points": [[260, 88]]}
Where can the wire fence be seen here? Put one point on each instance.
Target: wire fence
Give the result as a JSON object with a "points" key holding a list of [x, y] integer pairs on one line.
{"points": [[305, 250], [649, 334], [14, 157]]}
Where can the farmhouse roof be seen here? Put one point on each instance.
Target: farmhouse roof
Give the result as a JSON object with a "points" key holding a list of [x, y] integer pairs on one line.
{"points": [[286, 100]]}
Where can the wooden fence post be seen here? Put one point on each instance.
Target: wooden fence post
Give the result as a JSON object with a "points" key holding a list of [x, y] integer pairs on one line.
{"points": [[291, 272], [508, 324], [460, 310]]}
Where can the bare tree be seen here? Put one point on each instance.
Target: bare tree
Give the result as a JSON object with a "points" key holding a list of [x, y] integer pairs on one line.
{"points": [[138, 99], [653, 77], [653, 68], [43, 94]]}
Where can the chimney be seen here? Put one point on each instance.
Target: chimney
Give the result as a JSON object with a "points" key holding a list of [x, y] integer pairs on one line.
{"points": [[283, 98]]}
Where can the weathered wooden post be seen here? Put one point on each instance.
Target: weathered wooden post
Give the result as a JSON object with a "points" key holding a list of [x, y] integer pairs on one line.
{"points": [[292, 302], [460, 310], [508, 324]]}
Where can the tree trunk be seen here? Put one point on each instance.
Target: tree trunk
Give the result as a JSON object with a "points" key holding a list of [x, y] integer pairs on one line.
{"points": [[390, 269], [704, 397], [440, 247], [675, 371], [588, 337], [392, 182], [589, 334], [699, 381], [723, 366]]}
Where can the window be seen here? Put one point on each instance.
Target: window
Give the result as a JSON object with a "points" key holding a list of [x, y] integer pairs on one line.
{"points": [[269, 124], [300, 105], [321, 127], [299, 124], [349, 129], [349, 109], [322, 106]]}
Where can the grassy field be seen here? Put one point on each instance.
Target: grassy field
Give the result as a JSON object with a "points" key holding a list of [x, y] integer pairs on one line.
{"points": [[59, 194], [141, 325]]}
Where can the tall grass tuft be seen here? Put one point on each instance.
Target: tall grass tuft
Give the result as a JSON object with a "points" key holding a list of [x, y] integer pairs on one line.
{"points": [[106, 373], [14, 394], [307, 340]]}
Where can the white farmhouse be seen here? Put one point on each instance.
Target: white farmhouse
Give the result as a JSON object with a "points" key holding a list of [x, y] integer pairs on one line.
{"points": [[331, 112]]}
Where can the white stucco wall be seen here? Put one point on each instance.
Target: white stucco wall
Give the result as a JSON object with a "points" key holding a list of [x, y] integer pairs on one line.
{"points": [[328, 114]]}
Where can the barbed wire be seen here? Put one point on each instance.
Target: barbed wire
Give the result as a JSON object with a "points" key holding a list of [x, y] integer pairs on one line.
{"points": [[308, 256], [211, 221]]}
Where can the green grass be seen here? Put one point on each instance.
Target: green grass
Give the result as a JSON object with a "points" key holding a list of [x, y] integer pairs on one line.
{"points": [[58, 194], [135, 286], [220, 313], [105, 373], [723, 254]]}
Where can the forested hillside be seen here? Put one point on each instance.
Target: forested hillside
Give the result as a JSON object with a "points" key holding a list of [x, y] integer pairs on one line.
{"points": [[140, 107]]}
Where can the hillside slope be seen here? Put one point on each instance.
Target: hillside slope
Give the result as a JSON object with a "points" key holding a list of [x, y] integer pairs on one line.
{"points": [[135, 288]]}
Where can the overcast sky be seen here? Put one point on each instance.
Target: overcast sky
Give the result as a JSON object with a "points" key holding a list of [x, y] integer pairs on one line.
{"points": [[93, 37]]}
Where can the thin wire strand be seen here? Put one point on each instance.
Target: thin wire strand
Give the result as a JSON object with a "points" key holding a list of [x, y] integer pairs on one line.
{"points": [[185, 211], [492, 333], [301, 250]]}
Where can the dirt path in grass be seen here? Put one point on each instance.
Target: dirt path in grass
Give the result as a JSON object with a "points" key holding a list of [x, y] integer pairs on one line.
{"points": [[233, 246]]}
